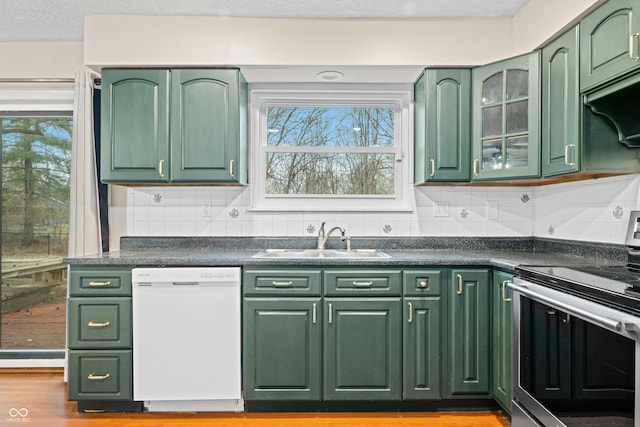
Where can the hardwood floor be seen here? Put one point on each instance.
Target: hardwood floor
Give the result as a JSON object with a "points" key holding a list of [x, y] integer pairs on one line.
{"points": [[43, 395]]}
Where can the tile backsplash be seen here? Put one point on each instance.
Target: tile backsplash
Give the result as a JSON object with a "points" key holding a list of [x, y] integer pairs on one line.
{"points": [[594, 210]]}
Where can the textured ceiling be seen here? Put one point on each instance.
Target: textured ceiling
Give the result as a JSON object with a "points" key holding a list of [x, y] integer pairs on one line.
{"points": [[58, 20]]}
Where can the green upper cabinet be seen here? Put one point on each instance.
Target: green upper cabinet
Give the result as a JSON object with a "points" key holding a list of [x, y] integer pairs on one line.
{"points": [[506, 119], [609, 42], [561, 106], [502, 328], [442, 125], [174, 126], [363, 349], [135, 125], [469, 333]]}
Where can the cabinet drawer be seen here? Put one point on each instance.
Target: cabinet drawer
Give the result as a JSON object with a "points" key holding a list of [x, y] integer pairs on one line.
{"points": [[100, 375], [422, 282], [100, 322], [99, 281], [362, 282], [282, 282]]}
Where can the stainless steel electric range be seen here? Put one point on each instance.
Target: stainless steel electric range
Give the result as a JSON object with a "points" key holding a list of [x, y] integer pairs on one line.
{"points": [[577, 342]]}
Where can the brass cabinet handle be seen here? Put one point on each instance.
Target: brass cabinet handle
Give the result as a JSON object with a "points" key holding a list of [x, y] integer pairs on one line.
{"points": [[231, 167], [410, 319], [92, 377], [504, 295], [277, 283], [99, 284], [330, 313], [566, 155], [314, 317], [433, 167], [160, 168], [634, 46], [476, 163], [423, 283], [97, 325], [362, 284], [459, 291]]}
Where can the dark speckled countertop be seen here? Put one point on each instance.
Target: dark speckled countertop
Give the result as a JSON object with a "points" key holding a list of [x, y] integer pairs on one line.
{"points": [[504, 253]]}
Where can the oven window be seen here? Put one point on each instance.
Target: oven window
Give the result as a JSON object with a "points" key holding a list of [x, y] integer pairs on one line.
{"points": [[579, 371]]}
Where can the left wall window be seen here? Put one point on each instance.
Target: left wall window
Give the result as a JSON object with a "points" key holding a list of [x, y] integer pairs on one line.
{"points": [[36, 121]]}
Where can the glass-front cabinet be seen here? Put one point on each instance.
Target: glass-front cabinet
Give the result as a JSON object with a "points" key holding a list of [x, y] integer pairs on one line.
{"points": [[506, 110]]}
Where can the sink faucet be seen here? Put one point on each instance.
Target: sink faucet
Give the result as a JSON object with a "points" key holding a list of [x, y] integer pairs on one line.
{"points": [[322, 237]]}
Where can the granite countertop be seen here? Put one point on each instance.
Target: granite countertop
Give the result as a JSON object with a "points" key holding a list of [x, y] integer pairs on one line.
{"points": [[504, 253]]}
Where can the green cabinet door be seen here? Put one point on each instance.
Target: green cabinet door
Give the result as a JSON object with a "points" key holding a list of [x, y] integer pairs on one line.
{"points": [[468, 332], [206, 129], [135, 126], [421, 348], [442, 125], [282, 347], [561, 106], [609, 42], [501, 338], [362, 349], [506, 119]]}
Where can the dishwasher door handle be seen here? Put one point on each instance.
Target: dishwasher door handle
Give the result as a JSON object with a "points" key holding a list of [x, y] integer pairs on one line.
{"points": [[604, 321]]}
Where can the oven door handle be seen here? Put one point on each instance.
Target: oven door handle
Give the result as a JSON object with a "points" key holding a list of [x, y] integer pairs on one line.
{"points": [[604, 321]]}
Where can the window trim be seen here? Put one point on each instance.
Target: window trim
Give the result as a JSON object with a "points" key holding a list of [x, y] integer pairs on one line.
{"points": [[397, 95]]}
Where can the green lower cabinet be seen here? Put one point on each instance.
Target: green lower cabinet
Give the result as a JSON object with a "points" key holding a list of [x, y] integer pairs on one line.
{"points": [[469, 333], [100, 375], [282, 349], [502, 337], [421, 348], [363, 349]]}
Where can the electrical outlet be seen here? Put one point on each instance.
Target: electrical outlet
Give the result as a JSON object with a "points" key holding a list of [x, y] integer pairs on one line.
{"points": [[206, 208], [441, 209]]}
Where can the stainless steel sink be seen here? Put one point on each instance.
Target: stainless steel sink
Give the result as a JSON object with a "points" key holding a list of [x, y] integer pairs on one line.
{"points": [[321, 253]]}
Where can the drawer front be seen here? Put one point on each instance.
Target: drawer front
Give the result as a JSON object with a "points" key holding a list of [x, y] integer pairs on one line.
{"points": [[422, 282], [282, 282], [362, 282], [100, 322], [100, 375], [99, 281]]}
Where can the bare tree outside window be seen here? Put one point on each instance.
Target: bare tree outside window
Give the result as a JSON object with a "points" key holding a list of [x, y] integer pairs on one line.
{"points": [[330, 150]]}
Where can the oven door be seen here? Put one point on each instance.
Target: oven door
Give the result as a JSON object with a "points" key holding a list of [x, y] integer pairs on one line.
{"points": [[575, 361]]}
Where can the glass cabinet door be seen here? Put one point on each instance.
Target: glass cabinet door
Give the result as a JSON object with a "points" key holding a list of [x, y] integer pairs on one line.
{"points": [[506, 100]]}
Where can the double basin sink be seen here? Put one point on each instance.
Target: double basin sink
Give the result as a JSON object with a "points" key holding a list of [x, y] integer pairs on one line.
{"points": [[321, 253]]}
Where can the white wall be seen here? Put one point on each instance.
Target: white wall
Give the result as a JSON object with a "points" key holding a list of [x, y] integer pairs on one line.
{"points": [[40, 60]]}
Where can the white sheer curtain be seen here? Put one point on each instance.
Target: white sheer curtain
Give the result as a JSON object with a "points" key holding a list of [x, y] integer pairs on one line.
{"points": [[84, 231]]}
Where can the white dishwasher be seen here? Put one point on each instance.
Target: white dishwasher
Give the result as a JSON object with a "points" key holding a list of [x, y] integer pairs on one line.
{"points": [[186, 338]]}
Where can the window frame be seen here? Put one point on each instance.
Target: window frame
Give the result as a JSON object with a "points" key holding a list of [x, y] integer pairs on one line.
{"points": [[398, 96]]}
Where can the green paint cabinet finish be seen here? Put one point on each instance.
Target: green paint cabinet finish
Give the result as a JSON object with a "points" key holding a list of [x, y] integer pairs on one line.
{"points": [[609, 43], [100, 375], [421, 348], [99, 338], [363, 349], [469, 332], [506, 119], [561, 106], [442, 125], [293, 282], [282, 349], [163, 126], [369, 282], [501, 338]]}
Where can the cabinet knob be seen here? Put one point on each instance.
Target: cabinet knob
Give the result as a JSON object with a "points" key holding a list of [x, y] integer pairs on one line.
{"points": [[422, 283]]}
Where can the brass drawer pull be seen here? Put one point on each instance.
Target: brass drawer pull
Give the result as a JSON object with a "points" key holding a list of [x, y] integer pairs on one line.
{"points": [[330, 313], [97, 325], [277, 283], [362, 284], [504, 295], [410, 319], [459, 276], [433, 168], [314, 315], [160, 166], [100, 284], [92, 377]]}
